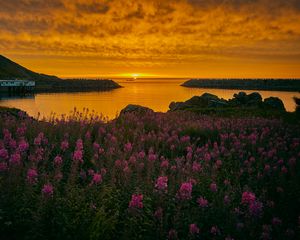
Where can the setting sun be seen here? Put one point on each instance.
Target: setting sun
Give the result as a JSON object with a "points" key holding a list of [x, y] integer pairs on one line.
{"points": [[135, 75]]}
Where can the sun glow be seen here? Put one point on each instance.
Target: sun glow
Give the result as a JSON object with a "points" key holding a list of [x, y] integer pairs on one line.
{"points": [[135, 75]]}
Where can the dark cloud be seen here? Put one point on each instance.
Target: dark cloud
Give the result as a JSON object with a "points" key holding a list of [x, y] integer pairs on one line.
{"points": [[30, 6], [181, 29], [92, 8]]}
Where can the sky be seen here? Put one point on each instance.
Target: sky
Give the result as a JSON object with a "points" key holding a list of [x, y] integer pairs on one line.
{"points": [[153, 38]]}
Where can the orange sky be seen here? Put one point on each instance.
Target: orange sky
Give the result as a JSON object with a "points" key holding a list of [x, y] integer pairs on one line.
{"points": [[182, 38]]}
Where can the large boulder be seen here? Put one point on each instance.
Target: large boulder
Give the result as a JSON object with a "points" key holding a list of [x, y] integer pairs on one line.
{"points": [[242, 99], [274, 103], [254, 99], [176, 106], [206, 100], [135, 108]]}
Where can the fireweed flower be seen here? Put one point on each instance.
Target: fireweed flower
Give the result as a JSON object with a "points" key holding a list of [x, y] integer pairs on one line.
{"points": [[202, 202], [38, 140], [58, 160], [194, 230], [214, 230], [3, 166], [64, 145], [162, 184], [15, 159], [248, 197], [136, 201], [32, 176], [172, 234], [255, 208], [103, 171], [226, 199], [96, 146], [47, 190], [78, 155], [141, 155], [3, 153], [152, 157], [128, 147], [97, 179], [277, 221], [164, 164], [196, 167], [12, 144], [185, 191], [213, 187], [23, 146], [79, 144], [158, 213]]}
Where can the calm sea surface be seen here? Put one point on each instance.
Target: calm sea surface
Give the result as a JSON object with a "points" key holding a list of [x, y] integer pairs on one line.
{"points": [[156, 94]]}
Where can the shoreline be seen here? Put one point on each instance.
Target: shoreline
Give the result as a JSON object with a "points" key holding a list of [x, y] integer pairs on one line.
{"points": [[73, 85], [282, 85]]}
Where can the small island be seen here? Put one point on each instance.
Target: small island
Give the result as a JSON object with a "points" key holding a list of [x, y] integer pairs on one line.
{"points": [[290, 85]]}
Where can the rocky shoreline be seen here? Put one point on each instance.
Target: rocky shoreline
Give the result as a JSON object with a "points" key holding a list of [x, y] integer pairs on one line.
{"points": [[73, 85], [290, 85], [239, 100]]}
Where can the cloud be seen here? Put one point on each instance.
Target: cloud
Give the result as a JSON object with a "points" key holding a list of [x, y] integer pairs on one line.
{"points": [[152, 30]]}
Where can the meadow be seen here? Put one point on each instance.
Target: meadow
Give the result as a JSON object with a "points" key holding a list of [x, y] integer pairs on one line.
{"points": [[176, 175]]}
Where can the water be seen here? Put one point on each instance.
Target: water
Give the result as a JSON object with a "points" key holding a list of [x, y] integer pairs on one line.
{"points": [[156, 94]]}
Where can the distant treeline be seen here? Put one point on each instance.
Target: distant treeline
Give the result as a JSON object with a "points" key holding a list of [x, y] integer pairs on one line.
{"points": [[246, 84]]}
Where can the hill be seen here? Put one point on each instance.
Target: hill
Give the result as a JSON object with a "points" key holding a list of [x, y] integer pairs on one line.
{"points": [[12, 70], [47, 83]]}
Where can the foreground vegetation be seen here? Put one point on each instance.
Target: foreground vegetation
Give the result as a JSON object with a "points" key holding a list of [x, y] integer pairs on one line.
{"points": [[149, 176]]}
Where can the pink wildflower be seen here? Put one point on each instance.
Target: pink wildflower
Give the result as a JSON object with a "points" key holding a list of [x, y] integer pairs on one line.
{"points": [[213, 187], [194, 230], [79, 144], [196, 167], [15, 159], [47, 190], [255, 208], [58, 160], [23, 146], [3, 153], [78, 155], [3, 166], [202, 202], [248, 197], [172, 234], [152, 157], [214, 230], [185, 191], [158, 213], [97, 179], [164, 164], [128, 147], [64, 145], [141, 155], [32, 176], [136, 201], [162, 184]]}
